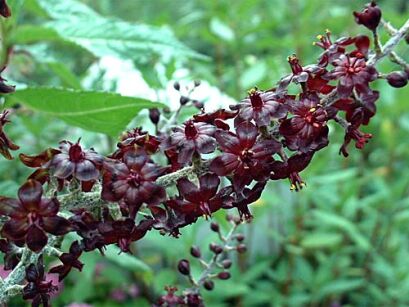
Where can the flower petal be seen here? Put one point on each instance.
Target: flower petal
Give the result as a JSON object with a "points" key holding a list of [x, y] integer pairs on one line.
{"points": [[36, 238], [86, 171]]}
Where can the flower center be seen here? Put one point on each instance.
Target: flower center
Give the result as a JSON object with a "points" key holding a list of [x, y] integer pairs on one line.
{"points": [[256, 101], [75, 153], [32, 217], [135, 179], [246, 156], [190, 130]]}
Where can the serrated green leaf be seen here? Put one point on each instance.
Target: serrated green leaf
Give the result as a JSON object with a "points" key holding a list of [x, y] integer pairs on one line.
{"points": [[107, 113], [125, 260], [108, 36]]}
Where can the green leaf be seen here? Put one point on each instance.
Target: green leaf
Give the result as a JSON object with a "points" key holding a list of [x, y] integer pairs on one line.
{"points": [[221, 29], [344, 224], [125, 260], [107, 113], [28, 34], [66, 75], [340, 286], [321, 240], [103, 36]]}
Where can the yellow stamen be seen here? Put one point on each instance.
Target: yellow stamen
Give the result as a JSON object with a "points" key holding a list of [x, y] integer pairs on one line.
{"points": [[320, 37], [312, 110]]}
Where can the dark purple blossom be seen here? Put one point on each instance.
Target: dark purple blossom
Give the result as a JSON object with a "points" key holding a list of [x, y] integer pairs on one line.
{"points": [[352, 73], [69, 261], [74, 162], [243, 156], [133, 180], [291, 168], [200, 200], [262, 107], [37, 289], [191, 138], [124, 232], [307, 130], [31, 216]]}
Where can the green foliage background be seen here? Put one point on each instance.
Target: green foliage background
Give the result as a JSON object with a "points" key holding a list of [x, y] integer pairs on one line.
{"points": [[342, 241]]}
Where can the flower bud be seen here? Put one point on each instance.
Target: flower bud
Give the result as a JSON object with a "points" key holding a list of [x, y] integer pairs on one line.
{"points": [[184, 267], [183, 100], [397, 79], [195, 252], [176, 86], [224, 275], [240, 237], [241, 248], [217, 249], [369, 17], [209, 285], [215, 227], [226, 263], [154, 115]]}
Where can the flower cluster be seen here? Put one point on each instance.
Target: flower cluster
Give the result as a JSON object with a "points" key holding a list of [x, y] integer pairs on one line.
{"points": [[213, 161]]}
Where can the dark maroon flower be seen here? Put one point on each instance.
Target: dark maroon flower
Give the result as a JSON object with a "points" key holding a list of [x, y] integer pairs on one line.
{"points": [[124, 232], [69, 261], [5, 143], [216, 118], [201, 200], [168, 220], [87, 227], [352, 72], [140, 139], [307, 130], [261, 107], [242, 156], [291, 168], [193, 299], [133, 180], [74, 162], [248, 197], [171, 299], [333, 50], [360, 138], [4, 9], [11, 254], [191, 138], [31, 216], [299, 75], [37, 289], [370, 16], [359, 112]]}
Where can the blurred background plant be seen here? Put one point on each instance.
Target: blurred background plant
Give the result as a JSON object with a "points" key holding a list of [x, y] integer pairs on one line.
{"points": [[341, 241]]}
